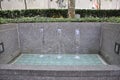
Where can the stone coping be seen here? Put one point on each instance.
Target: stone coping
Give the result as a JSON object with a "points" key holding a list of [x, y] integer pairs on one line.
{"points": [[59, 68], [60, 71]]}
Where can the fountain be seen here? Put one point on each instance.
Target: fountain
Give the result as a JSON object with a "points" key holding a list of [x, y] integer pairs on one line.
{"points": [[59, 34], [77, 43], [42, 45]]}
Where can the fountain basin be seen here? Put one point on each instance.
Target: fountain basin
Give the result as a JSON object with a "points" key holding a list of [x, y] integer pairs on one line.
{"points": [[42, 38]]}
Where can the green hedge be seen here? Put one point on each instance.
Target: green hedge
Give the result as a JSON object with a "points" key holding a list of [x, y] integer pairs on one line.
{"points": [[98, 13], [56, 13]]}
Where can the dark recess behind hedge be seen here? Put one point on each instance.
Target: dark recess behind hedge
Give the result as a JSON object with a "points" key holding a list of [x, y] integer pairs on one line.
{"points": [[56, 13]]}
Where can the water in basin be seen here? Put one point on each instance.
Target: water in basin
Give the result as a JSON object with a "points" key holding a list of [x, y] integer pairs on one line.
{"points": [[62, 59]]}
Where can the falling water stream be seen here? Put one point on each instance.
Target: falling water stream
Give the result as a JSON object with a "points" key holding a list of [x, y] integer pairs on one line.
{"points": [[77, 41], [59, 51], [59, 34], [42, 45]]}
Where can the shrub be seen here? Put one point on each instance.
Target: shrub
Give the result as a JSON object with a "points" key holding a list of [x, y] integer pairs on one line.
{"points": [[56, 13]]}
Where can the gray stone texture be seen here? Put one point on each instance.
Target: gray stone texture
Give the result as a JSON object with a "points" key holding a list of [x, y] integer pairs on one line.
{"points": [[57, 78], [8, 35], [34, 41], [110, 33], [18, 72]]}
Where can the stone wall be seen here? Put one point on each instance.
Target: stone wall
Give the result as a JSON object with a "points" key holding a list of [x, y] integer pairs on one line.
{"points": [[9, 37], [34, 40], [29, 72], [110, 33]]}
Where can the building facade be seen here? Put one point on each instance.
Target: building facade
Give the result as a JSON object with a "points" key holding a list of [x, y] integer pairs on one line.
{"points": [[58, 4]]}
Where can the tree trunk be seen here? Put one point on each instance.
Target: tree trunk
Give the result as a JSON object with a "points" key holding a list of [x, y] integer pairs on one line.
{"points": [[25, 2], [99, 3], [71, 8]]}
